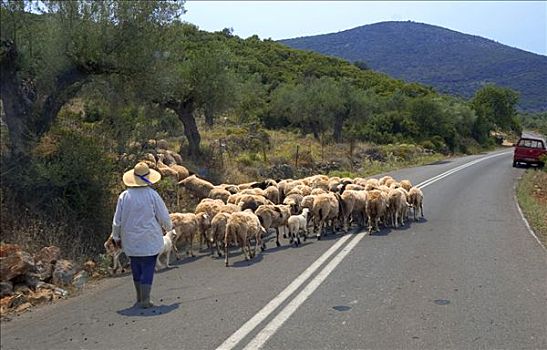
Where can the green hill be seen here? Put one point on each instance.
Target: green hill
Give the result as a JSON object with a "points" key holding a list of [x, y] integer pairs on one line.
{"points": [[450, 61]]}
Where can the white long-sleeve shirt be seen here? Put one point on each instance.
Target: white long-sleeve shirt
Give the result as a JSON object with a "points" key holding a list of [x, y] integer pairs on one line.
{"points": [[140, 215]]}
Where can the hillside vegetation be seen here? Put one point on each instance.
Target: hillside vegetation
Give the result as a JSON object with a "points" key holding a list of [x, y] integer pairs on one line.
{"points": [[450, 61], [85, 85]]}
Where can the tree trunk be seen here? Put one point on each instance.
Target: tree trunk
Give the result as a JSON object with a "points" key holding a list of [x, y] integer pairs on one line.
{"points": [[185, 111], [27, 116], [67, 86], [209, 119], [17, 106], [337, 129]]}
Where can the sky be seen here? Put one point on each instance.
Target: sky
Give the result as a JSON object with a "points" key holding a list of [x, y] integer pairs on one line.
{"points": [[520, 24]]}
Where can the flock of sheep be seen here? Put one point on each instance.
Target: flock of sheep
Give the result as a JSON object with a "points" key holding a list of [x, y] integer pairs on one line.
{"points": [[297, 209]]}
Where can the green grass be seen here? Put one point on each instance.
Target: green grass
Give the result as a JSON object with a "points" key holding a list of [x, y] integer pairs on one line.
{"points": [[532, 198]]}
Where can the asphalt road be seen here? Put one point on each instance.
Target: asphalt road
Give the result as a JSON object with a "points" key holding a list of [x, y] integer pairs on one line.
{"points": [[468, 276]]}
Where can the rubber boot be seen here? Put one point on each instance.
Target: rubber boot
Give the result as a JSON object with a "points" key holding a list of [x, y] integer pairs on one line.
{"points": [[138, 290], [145, 296]]}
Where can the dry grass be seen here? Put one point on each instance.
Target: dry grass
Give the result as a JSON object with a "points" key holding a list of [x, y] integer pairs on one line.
{"points": [[304, 155], [532, 197]]}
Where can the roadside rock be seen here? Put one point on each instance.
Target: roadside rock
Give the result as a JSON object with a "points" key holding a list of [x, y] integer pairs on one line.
{"points": [[14, 263], [9, 249], [80, 279], [6, 288], [32, 279], [5, 303], [17, 300], [21, 289], [48, 255], [64, 272], [40, 296], [44, 270], [90, 266], [23, 307]]}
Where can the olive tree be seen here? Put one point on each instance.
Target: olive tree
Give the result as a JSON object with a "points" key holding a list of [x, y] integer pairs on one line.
{"points": [[50, 49]]}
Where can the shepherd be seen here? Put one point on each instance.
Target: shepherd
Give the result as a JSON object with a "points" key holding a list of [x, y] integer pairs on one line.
{"points": [[137, 227]]}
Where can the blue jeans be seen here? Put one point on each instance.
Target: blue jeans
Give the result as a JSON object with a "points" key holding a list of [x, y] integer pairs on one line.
{"points": [[142, 268]]}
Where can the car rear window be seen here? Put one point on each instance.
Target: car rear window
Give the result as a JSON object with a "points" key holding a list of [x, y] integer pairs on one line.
{"points": [[531, 143]]}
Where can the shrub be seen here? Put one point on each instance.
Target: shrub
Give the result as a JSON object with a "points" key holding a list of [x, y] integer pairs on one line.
{"points": [[62, 196]]}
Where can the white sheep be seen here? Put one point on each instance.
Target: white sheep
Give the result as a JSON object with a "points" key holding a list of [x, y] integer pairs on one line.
{"points": [[298, 223]]}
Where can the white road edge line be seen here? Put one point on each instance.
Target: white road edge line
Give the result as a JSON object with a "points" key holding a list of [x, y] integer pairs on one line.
{"points": [[524, 217], [262, 337], [248, 327]]}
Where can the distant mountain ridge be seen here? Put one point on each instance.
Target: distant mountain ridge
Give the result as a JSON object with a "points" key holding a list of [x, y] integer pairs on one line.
{"points": [[450, 61]]}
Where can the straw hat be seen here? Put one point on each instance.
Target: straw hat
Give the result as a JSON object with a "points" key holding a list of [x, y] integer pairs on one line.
{"points": [[141, 175]]}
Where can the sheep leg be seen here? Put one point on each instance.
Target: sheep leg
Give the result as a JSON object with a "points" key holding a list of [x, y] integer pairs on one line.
{"points": [[213, 249], [297, 240], [190, 249], [242, 245], [226, 252], [369, 224], [218, 248], [277, 237], [320, 232], [257, 243]]}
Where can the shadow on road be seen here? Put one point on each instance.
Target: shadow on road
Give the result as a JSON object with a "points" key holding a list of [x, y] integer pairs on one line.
{"points": [[135, 311], [439, 162]]}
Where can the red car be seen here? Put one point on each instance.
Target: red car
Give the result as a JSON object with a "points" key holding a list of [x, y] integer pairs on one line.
{"points": [[529, 150]]}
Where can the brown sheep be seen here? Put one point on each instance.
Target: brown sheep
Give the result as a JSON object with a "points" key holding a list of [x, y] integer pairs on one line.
{"points": [[360, 181], [182, 172], [397, 207], [164, 169], [197, 187], [416, 200], [383, 180], [219, 193], [272, 193], [317, 191], [187, 225], [375, 209], [294, 200], [255, 191], [249, 201], [274, 216], [229, 208], [302, 189], [326, 207], [354, 203], [406, 184], [372, 184], [242, 227], [233, 189], [348, 201], [246, 185], [354, 187], [212, 207], [218, 231]]}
